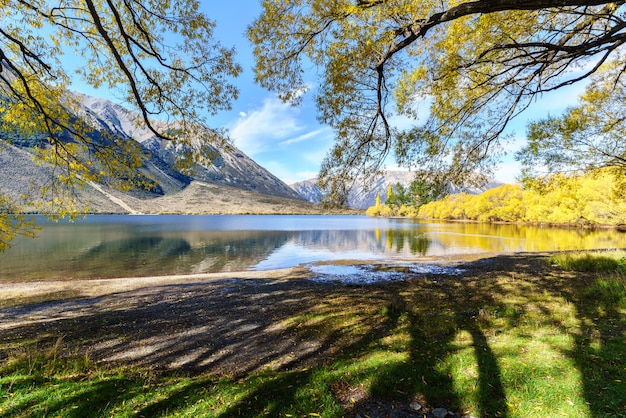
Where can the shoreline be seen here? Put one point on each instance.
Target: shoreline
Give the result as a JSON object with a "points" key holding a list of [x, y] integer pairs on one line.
{"points": [[26, 292], [35, 291]]}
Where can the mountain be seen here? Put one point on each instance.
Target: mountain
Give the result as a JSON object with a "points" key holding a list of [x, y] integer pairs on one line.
{"points": [[232, 183], [230, 166], [361, 196], [19, 175]]}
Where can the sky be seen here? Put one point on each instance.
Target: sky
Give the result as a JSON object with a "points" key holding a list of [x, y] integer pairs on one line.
{"points": [[289, 141]]}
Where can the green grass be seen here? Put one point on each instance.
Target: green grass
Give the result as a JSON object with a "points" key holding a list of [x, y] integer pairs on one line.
{"points": [[610, 287], [605, 261], [508, 345]]}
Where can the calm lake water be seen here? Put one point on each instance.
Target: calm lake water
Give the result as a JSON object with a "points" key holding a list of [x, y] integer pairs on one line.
{"points": [[131, 246]]}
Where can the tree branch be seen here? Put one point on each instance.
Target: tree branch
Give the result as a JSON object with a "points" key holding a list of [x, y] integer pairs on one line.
{"points": [[122, 65]]}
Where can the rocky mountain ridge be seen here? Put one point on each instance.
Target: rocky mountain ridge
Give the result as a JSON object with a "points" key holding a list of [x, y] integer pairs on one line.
{"points": [[232, 178], [229, 166], [19, 174], [362, 196]]}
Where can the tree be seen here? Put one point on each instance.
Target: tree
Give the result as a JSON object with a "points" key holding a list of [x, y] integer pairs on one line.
{"points": [[471, 66], [13, 225], [422, 192], [158, 56], [585, 138], [397, 197], [564, 199]]}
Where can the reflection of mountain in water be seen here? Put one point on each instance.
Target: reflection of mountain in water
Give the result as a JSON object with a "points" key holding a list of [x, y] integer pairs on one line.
{"points": [[382, 242], [89, 254], [142, 246], [236, 250], [178, 254], [85, 251], [181, 252]]}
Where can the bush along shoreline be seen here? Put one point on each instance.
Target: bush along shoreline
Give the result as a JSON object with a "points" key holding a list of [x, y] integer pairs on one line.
{"points": [[595, 200]]}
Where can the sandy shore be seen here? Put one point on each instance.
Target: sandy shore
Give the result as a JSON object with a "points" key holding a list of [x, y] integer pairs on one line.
{"points": [[21, 292], [37, 291]]}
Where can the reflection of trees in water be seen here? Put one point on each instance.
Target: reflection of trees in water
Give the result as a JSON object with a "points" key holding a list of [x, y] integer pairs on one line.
{"points": [[212, 251], [388, 241], [399, 239], [111, 250], [505, 237]]}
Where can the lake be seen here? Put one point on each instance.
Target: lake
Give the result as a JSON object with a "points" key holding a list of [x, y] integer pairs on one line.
{"points": [[137, 245]]}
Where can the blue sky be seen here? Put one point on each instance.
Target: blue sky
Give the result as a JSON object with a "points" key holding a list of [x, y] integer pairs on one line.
{"points": [[288, 141]]}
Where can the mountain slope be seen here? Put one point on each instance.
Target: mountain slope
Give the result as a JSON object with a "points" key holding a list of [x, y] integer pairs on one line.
{"points": [[19, 175], [361, 196], [231, 177], [230, 166]]}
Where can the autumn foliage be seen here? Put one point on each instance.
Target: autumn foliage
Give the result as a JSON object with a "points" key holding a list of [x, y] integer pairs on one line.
{"points": [[592, 199]]}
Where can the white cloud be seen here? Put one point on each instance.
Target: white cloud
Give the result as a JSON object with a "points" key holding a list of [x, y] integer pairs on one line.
{"points": [[285, 140], [258, 130], [306, 175], [507, 171], [307, 136]]}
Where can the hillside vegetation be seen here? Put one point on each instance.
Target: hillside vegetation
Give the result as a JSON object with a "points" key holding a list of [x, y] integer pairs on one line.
{"points": [[593, 199]]}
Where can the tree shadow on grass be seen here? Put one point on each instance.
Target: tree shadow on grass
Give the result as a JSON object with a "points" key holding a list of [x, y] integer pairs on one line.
{"points": [[295, 347], [433, 322], [39, 396], [601, 360], [599, 348], [399, 356]]}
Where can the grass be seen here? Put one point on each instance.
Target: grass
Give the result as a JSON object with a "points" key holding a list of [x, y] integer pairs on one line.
{"points": [[610, 287], [599, 262], [515, 343]]}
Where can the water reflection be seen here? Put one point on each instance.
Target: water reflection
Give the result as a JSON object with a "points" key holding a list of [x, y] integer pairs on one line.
{"points": [[457, 237], [311, 246], [88, 255], [118, 246]]}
